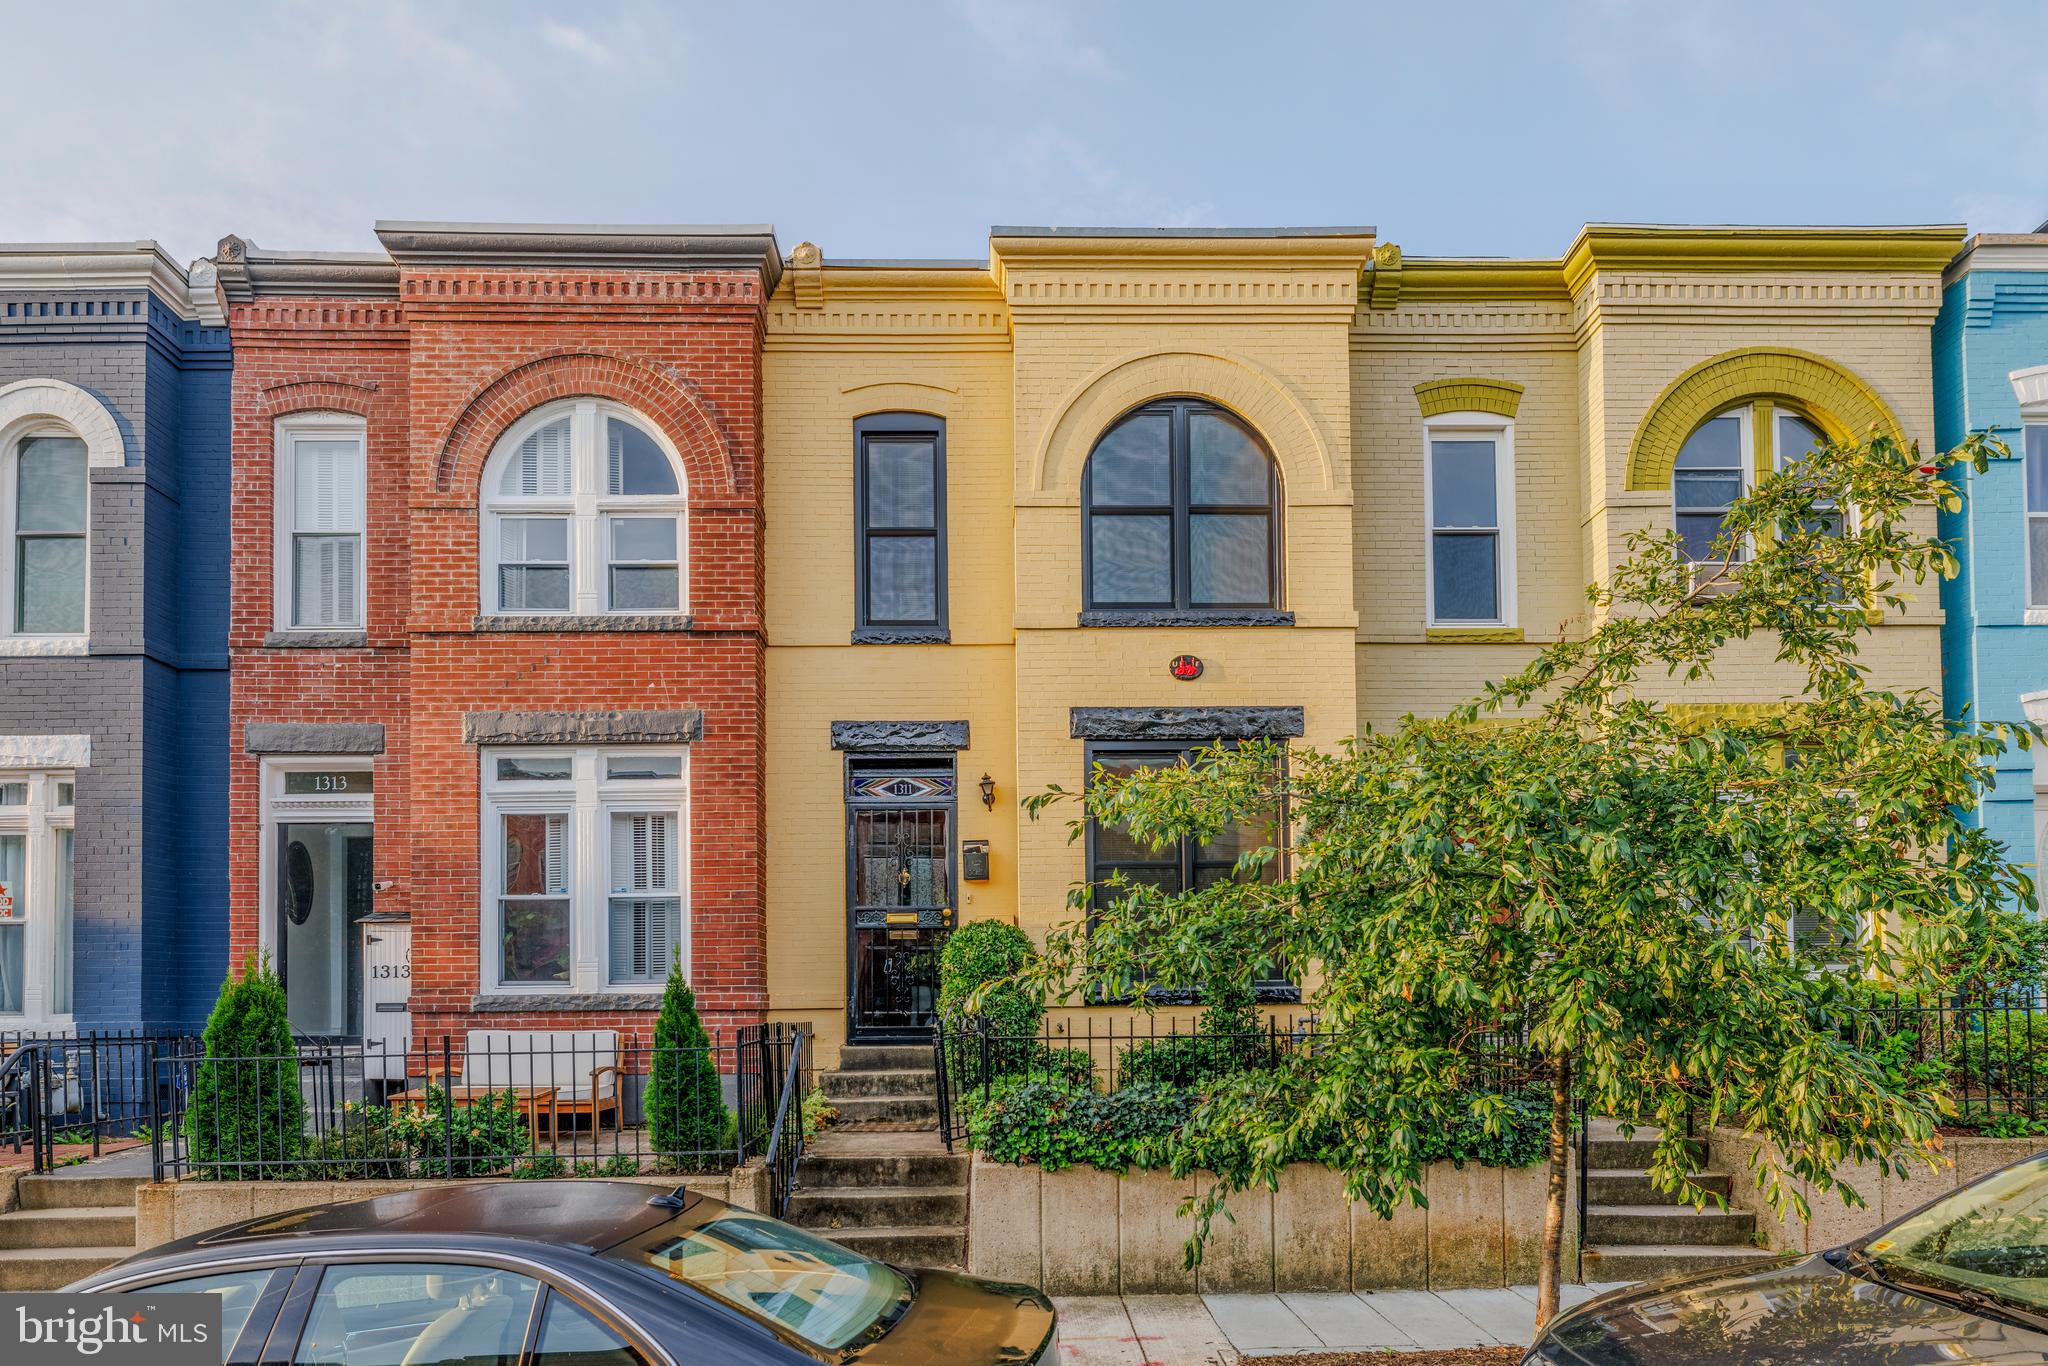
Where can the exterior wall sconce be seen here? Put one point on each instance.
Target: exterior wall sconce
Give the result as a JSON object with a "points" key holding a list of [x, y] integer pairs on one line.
{"points": [[988, 792]]}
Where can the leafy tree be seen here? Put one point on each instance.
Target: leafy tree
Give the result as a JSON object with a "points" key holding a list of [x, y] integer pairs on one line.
{"points": [[246, 1115], [1572, 868], [685, 1106]]}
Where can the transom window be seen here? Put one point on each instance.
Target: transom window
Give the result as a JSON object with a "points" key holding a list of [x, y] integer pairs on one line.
{"points": [[1716, 467], [1471, 502], [583, 515], [36, 824], [322, 474], [1181, 510], [586, 853], [44, 496]]}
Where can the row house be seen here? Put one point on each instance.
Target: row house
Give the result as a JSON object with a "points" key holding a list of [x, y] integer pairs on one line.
{"points": [[1108, 495], [1991, 374], [114, 372], [496, 632]]}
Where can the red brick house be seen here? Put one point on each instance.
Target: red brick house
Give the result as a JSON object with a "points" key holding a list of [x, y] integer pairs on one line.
{"points": [[496, 636]]}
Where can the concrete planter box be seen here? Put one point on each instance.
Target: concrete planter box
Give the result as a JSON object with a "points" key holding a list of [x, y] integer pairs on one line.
{"points": [[165, 1210], [1885, 1197], [1089, 1232]]}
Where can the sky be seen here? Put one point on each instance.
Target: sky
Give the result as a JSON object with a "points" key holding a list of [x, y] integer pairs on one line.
{"points": [[907, 130]]}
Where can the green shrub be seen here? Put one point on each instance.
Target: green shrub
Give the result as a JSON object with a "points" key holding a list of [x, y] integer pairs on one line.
{"points": [[1073, 1068], [246, 1118], [2005, 1055], [1057, 1126], [476, 1139], [988, 954], [540, 1167], [1231, 1038], [2013, 1125], [686, 1111], [362, 1147], [1522, 1139], [617, 1165], [817, 1112]]}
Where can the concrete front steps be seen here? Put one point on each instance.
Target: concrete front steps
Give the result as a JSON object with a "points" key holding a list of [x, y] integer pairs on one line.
{"points": [[883, 1087], [66, 1227], [895, 1196], [1635, 1231]]}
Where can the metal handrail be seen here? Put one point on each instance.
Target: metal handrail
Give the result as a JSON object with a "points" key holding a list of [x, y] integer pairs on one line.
{"points": [[20, 1094], [781, 1167]]}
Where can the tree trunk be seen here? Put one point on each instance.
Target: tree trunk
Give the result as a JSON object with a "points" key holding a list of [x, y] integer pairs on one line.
{"points": [[1551, 1271]]}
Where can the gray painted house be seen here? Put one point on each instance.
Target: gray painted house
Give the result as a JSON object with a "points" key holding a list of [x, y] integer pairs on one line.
{"points": [[113, 638]]}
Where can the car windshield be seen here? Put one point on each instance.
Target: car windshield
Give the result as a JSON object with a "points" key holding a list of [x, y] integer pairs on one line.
{"points": [[821, 1292], [1991, 1239]]}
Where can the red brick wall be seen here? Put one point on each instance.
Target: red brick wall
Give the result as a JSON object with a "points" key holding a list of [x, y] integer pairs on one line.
{"points": [[438, 376]]}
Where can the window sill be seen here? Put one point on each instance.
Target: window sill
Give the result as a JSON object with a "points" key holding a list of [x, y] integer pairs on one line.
{"points": [[1175, 616], [646, 998], [43, 647], [902, 635], [2035, 616], [1476, 635], [316, 640], [545, 623]]}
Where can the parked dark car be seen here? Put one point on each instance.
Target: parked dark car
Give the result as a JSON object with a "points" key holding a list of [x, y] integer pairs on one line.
{"points": [[1962, 1279], [574, 1273]]}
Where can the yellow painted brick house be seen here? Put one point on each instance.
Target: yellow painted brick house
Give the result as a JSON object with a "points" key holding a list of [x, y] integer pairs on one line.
{"points": [[1111, 494]]}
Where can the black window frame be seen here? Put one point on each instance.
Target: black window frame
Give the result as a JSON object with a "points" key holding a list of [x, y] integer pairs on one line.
{"points": [[901, 426], [1269, 990], [1181, 511]]}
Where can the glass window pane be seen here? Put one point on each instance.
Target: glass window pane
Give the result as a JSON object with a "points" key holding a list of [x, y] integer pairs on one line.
{"points": [[1225, 465], [1796, 439], [324, 587], [534, 768], [1230, 845], [533, 540], [2037, 469], [1706, 490], [1132, 466], [1714, 444], [536, 862], [525, 589], [327, 485], [903, 578], [536, 941], [540, 468], [50, 585], [1462, 483], [330, 782], [1698, 532], [60, 927], [1467, 577], [1230, 560], [902, 484], [644, 538], [645, 934], [13, 933], [418, 1314], [238, 1291], [643, 766], [570, 1337], [1132, 560], [51, 485], [2037, 560], [13, 794], [902, 858], [644, 590], [635, 463]]}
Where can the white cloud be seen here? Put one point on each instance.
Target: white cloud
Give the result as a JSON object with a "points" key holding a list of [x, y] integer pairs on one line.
{"points": [[576, 42], [1032, 38]]}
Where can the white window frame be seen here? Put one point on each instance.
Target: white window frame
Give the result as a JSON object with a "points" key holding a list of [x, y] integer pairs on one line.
{"points": [[10, 487], [2035, 421], [589, 510], [289, 431], [590, 800], [1744, 413], [36, 902], [1472, 426]]}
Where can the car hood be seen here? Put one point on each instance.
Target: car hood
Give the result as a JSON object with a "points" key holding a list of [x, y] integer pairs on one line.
{"points": [[965, 1320], [1805, 1311]]}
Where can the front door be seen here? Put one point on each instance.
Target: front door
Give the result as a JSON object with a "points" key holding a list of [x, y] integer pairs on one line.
{"points": [[899, 821], [324, 885]]}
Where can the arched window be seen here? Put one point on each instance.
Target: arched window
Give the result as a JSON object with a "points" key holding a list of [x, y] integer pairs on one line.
{"points": [[1180, 510], [583, 515], [44, 496], [1718, 462]]}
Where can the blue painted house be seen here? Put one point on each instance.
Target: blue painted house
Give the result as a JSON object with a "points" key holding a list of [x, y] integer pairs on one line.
{"points": [[114, 371], [1991, 372]]}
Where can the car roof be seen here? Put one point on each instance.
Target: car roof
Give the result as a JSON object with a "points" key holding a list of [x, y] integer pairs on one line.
{"points": [[585, 1215]]}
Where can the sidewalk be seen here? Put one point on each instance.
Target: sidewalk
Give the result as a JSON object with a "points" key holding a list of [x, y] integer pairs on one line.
{"points": [[1214, 1330]]}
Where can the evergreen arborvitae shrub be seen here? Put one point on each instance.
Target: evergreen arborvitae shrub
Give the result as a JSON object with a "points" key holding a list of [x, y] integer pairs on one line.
{"points": [[246, 1116], [685, 1106]]}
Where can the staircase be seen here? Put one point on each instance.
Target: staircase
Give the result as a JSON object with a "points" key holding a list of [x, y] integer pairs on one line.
{"points": [[879, 1181], [1635, 1231], [67, 1227]]}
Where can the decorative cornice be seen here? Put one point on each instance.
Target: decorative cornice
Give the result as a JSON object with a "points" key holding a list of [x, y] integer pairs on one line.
{"points": [[679, 726], [2014, 251], [1186, 723], [188, 292], [1469, 395], [306, 737], [1453, 279], [246, 272], [1384, 283], [529, 246], [806, 276], [917, 736], [1642, 247], [45, 751]]}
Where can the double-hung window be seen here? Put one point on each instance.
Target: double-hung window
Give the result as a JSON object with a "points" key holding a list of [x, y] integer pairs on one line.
{"points": [[1470, 497], [583, 516], [35, 895], [322, 475], [585, 854], [43, 502], [899, 490], [2036, 438]]}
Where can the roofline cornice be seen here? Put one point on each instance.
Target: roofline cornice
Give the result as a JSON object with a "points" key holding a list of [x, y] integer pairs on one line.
{"points": [[1453, 279], [246, 272], [746, 246], [188, 292], [2023, 251], [1221, 249], [1740, 249]]}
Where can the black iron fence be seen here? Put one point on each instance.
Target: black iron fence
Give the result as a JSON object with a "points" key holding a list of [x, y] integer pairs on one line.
{"points": [[486, 1104], [1990, 1056], [78, 1092]]}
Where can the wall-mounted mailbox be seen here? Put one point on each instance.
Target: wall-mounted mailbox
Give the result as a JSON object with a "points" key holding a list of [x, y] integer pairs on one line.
{"points": [[974, 860]]}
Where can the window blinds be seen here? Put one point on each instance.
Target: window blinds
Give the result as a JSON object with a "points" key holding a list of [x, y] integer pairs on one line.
{"points": [[540, 468], [645, 914]]}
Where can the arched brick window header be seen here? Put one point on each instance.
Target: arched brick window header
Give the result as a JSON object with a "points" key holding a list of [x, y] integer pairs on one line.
{"points": [[323, 395]]}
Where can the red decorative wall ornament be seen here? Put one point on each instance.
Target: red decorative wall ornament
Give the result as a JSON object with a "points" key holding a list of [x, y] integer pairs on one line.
{"points": [[1187, 668]]}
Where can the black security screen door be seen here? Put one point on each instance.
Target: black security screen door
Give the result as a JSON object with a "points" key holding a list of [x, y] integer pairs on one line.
{"points": [[899, 822]]}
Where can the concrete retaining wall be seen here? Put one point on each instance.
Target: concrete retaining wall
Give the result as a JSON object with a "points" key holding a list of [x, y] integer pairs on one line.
{"points": [[1089, 1232], [165, 1210], [1885, 1198]]}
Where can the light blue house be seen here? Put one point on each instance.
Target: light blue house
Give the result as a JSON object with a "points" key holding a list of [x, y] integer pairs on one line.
{"points": [[1991, 372]]}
